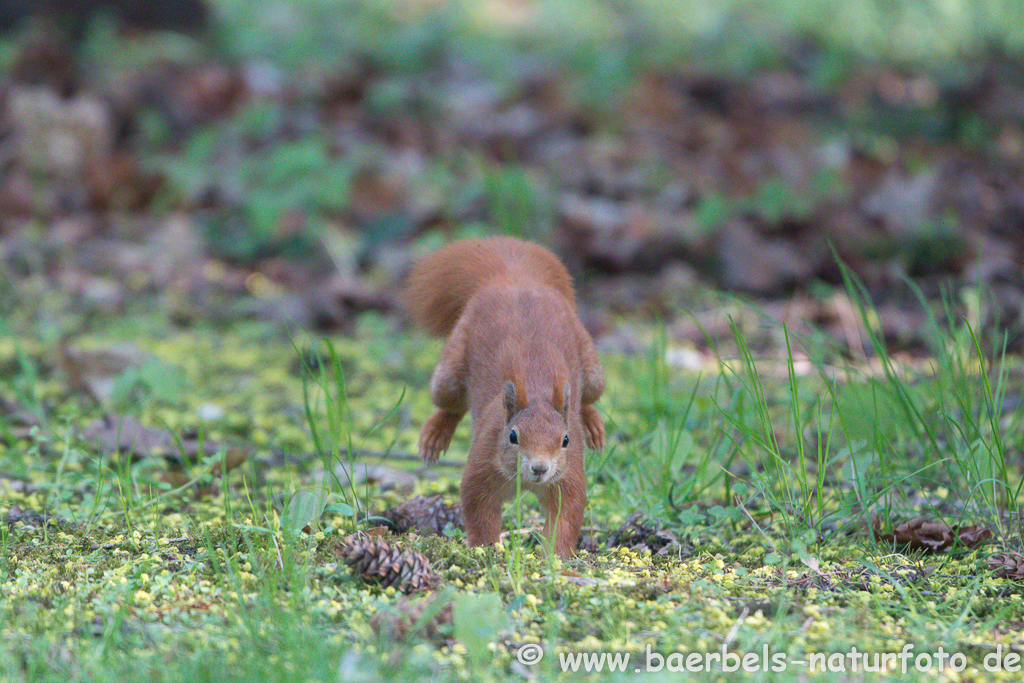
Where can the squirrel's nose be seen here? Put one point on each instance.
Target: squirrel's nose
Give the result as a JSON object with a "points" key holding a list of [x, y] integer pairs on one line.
{"points": [[539, 468]]}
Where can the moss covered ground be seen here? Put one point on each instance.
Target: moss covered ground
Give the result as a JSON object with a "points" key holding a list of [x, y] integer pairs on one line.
{"points": [[112, 569]]}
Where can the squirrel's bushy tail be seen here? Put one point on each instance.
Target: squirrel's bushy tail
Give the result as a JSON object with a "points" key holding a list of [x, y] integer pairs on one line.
{"points": [[442, 282]]}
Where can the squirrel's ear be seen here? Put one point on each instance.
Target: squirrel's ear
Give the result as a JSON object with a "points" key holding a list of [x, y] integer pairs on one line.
{"points": [[560, 399], [510, 400]]}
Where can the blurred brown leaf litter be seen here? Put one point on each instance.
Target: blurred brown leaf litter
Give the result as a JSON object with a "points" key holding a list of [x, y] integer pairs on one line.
{"points": [[222, 188]]}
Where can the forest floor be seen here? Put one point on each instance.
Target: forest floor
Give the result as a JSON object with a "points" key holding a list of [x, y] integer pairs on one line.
{"points": [[801, 266]]}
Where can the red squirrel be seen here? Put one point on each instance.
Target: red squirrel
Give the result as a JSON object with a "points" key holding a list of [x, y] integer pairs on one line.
{"points": [[519, 360]]}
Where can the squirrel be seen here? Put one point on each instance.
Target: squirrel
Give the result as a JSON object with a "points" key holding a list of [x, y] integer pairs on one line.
{"points": [[519, 360]]}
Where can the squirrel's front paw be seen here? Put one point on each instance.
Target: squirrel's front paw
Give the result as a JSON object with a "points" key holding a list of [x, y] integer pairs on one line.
{"points": [[593, 427], [437, 434]]}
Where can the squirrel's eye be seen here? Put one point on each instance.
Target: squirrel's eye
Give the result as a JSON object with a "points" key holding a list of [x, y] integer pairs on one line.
{"points": [[565, 441], [513, 437]]}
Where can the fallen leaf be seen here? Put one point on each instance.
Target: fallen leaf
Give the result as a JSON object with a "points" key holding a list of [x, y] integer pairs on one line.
{"points": [[385, 477], [126, 435], [931, 535], [812, 564], [1007, 565], [93, 372], [905, 204], [752, 263], [18, 420]]}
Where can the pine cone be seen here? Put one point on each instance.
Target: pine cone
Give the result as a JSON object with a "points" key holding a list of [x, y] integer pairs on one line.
{"points": [[397, 621], [388, 564], [427, 515], [1007, 565]]}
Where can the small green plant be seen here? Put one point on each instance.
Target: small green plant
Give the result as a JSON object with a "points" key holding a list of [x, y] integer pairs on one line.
{"points": [[304, 509], [5, 561], [329, 404], [880, 433], [479, 619], [514, 549]]}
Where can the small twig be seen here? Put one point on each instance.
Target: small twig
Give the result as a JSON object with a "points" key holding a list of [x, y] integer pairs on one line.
{"points": [[758, 527], [407, 457], [273, 537], [731, 635], [368, 454], [525, 531]]}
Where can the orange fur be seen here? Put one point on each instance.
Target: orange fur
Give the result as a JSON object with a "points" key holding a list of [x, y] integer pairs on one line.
{"points": [[517, 358]]}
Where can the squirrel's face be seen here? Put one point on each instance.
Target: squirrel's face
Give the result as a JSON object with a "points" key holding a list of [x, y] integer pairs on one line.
{"points": [[535, 442]]}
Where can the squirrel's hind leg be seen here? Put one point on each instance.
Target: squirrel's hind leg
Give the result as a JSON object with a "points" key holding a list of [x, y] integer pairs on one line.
{"points": [[591, 388], [448, 393], [593, 427]]}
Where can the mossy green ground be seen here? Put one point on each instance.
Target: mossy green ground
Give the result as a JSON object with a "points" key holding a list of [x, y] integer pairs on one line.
{"points": [[135, 580]]}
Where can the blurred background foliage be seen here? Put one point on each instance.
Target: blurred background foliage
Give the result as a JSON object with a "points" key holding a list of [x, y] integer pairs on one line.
{"points": [[307, 149], [408, 35]]}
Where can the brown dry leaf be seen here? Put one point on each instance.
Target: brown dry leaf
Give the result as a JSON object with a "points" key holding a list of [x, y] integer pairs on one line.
{"points": [[233, 457], [93, 372], [18, 419], [375, 193], [59, 136], [124, 434], [753, 263], [118, 182], [1007, 565], [335, 302], [208, 91], [175, 477], [45, 59], [610, 231], [932, 535], [973, 535]]}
